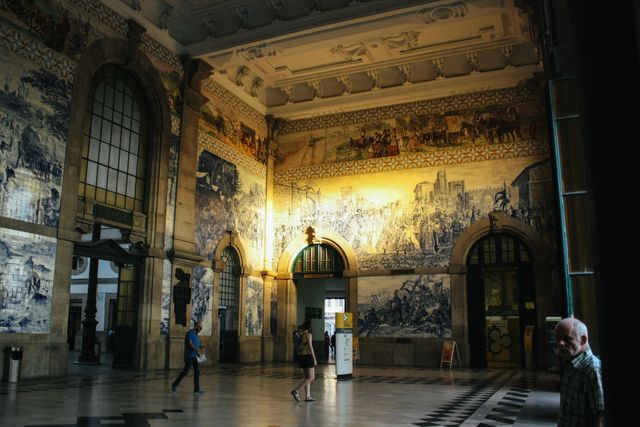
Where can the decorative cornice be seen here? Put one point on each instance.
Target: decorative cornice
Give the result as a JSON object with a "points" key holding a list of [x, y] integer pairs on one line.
{"points": [[415, 160], [242, 108]]}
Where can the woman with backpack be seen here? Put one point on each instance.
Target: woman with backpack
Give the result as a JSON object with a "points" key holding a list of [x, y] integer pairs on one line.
{"points": [[307, 362]]}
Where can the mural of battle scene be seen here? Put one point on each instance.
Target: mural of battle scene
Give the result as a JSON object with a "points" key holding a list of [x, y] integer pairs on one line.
{"points": [[26, 281], [54, 26], [233, 132], [405, 306], [412, 218], [254, 307], [34, 116], [404, 135], [229, 198]]}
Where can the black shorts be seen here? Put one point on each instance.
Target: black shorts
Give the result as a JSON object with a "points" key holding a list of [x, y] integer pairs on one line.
{"points": [[305, 361]]}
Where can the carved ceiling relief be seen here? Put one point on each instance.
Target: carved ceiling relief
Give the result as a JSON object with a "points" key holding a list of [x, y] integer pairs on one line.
{"points": [[389, 45]]}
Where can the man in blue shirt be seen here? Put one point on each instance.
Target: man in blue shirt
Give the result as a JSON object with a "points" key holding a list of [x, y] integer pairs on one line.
{"points": [[581, 396], [191, 352]]}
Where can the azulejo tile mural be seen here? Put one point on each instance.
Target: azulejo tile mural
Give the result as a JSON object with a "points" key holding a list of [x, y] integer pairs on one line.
{"points": [[201, 297], [26, 281], [413, 218], [431, 133], [229, 197], [34, 117], [405, 306], [254, 307]]}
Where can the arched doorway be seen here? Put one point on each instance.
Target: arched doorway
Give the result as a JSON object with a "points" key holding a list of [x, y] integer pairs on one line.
{"points": [[286, 307], [318, 277], [500, 301], [229, 305]]}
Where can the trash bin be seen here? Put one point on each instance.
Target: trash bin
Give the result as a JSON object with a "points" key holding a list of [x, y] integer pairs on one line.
{"points": [[15, 356]]}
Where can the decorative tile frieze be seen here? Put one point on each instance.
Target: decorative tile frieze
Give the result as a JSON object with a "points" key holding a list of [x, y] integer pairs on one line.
{"points": [[438, 105], [415, 160], [21, 44], [220, 149], [242, 108], [111, 19]]}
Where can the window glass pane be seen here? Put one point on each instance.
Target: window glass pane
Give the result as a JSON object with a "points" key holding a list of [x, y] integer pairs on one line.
{"points": [[117, 105], [123, 160], [92, 173], [126, 122], [108, 93], [102, 176], [97, 108], [115, 135], [139, 188], [136, 111], [124, 142], [117, 118], [112, 180], [104, 153], [106, 131], [114, 156], [95, 126], [122, 183], [131, 186], [135, 126], [134, 143], [94, 149], [133, 162]]}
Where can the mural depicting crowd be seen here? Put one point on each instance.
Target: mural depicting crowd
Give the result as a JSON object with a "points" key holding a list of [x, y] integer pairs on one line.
{"points": [[224, 204], [32, 146], [401, 234], [420, 133]]}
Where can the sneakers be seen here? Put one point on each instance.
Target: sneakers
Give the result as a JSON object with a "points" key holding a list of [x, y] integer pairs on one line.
{"points": [[199, 392], [174, 388], [309, 399], [295, 395]]}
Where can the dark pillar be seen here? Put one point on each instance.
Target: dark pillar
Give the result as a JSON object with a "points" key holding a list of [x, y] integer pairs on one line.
{"points": [[88, 355]]}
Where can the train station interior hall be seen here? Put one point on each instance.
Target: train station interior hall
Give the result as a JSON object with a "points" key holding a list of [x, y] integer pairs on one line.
{"points": [[427, 183]]}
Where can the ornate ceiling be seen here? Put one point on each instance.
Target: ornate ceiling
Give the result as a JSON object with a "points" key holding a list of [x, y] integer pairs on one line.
{"points": [[295, 58]]}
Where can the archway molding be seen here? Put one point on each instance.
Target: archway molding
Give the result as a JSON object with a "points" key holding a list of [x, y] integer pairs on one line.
{"points": [[287, 292], [500, 222]]}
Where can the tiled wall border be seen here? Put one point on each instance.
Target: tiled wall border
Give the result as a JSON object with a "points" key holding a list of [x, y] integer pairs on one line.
{"points": [[240, 107], [33, 50], [220, 149], [415, 160], [438, 105]]}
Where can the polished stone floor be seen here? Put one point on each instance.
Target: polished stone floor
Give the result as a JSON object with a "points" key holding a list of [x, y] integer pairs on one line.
{"points": [[258, 396]]}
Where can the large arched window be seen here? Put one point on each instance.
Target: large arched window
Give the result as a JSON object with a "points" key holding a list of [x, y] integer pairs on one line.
{"points": [[114, 142], [229, 278]]}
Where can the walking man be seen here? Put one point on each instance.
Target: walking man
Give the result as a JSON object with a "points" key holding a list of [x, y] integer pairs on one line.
{"points": [[191, 352]]}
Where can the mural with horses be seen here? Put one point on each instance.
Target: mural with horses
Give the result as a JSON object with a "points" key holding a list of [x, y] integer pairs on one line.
{"points": [[497, 124], [34, 117]]}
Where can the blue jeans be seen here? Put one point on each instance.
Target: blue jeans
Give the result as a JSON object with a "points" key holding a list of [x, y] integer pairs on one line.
{"points": [[188, 362]]}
